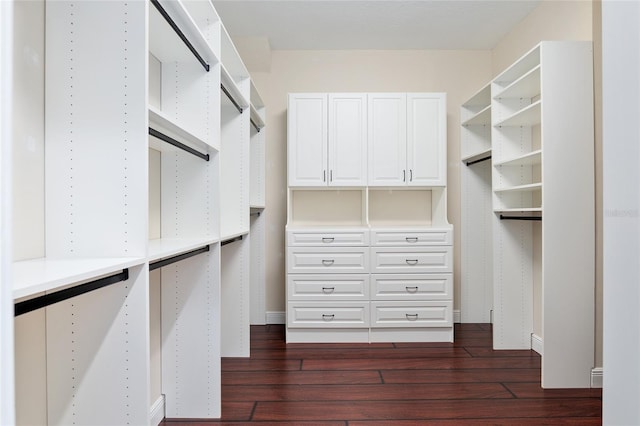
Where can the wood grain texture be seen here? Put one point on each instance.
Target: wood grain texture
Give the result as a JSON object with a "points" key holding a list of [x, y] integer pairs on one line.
{"points": [[393, 384]]}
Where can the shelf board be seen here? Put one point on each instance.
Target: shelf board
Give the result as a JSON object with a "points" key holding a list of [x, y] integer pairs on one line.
{"points": [[167, 46], [527, 86], [529, 159], [527, 116], [477, 156], [519, 210], [257, 207], [520, 188], [256, 118], [40, 276], [159, 121], [231, 236], [232, 87], [526, 63], [167, 247], [480, 99], [482, 117]]}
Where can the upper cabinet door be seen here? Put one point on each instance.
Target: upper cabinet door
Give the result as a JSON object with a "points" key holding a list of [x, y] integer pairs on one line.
{"points": [[307, 139], [347, 139], [387, 117], [426, 139]]}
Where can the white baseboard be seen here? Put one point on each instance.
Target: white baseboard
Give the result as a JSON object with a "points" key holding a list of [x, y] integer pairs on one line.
{"points": [[596, 377], [537, 344], [456, 316], [157, 411], [276, 317]]}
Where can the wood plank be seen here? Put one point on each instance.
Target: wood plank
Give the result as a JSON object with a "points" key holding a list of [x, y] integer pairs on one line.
{"points": [[360, 352], [507, 375], [419, 363], [519, 421], [365, 392], [486, 352], [426, 410], [300, 377], [534, 390], [261, 364]]}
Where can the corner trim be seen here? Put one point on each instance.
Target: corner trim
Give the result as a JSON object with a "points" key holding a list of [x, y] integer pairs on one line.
{"points": [[157, 411], [456, 316], [537, 344], [596, 377]]}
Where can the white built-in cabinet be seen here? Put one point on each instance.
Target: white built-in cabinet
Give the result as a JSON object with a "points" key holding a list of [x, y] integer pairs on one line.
{"points": [[406, 143], [367, 263], [328, 134], [532, 208], [128, 133]]}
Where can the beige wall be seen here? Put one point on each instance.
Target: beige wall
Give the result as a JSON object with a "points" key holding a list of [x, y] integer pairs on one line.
{"points": [[458, 73]]}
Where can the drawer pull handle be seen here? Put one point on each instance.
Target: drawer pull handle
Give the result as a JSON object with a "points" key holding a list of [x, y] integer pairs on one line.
{"points": [[327, 262], [412, 289], [412, 317], [328, 289], [412, 261], [327, 239], [328, 317], [412, 239]]}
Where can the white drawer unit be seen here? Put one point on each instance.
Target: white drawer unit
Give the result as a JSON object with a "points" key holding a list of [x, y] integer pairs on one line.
{"points": [[328, 315], [395, 238], [411, 287], [319, 260], [328, 287], [412, 314], [328, 238], [395, 260]]}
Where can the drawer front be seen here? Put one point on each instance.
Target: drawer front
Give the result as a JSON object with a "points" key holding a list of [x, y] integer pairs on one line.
{"points": [[412, 314], [440, 237], [327, 238], [395, 260], [322, 260], [328, 315], [328, 287], [412, 286]]}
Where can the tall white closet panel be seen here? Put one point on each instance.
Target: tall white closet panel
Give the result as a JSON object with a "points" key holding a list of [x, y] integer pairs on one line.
{"points": [[190, 329], [7, 392], [235, 294], [97, 355]]}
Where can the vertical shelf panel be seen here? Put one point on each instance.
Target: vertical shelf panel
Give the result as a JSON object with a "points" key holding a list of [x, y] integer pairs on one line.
{"points": [[257, 269], [98, 355], [190, 328], [235, 285]]}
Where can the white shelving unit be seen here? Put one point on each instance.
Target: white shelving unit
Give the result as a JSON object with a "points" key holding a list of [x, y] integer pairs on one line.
{"points": [[369, 263], [144, 169], [542, 203], [476, 301], [235, 202]]}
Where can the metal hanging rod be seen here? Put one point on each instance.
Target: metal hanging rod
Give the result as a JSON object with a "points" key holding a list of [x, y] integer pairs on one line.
{"points": [[233, 101], [231, 240], [61, 295], [503, 217], [255, 126], [169, 260], [468, 163], [171, 141], [254, 214], [178, 31]]}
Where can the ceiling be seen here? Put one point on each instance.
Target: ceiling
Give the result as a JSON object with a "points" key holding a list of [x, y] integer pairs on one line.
{"points": [[373, 24]]}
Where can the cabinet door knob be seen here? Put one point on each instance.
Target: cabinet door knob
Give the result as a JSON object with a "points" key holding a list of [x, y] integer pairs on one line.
{"points": [[327, 239], [412, 261], [412, 239], [328, 317], [327, 262], [328, 289], [412, 317], [412, 289]]}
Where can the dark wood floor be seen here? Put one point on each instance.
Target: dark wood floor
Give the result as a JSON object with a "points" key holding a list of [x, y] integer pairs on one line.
{"points": [[403, 384]]}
